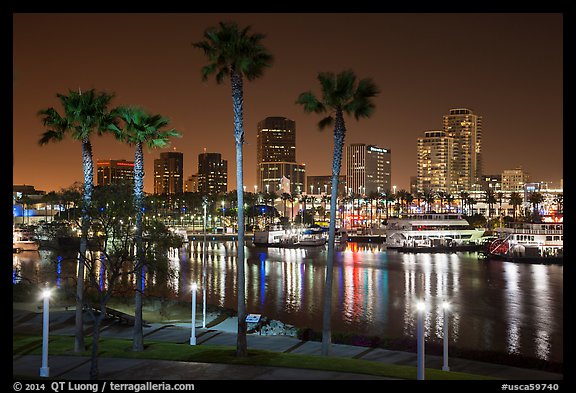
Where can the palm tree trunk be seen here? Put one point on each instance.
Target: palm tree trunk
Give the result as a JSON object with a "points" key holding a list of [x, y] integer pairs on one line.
{"points": [[339, 134], [138, 335], [88, 166], [238, 102]]}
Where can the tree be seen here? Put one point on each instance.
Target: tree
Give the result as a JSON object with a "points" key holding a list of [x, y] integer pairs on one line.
{"points": [[84, 114], [112, 225], [340, 94], [490, 198], [516, 201], [428, 197], [535, 198], [140, 128], [463, 198], [237, 54]]}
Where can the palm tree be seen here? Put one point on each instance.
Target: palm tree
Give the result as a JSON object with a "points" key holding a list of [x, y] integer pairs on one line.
{"points": [[84, 113], [535, 198], [428, 197], [463, 197], [285, 196], [140, 128], [237, 54], [490, 198], [340, 94], [515, 200]]}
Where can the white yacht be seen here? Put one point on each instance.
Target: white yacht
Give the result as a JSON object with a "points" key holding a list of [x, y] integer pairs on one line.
{"points": [[23, 240], [528, 240], [431, 230]]}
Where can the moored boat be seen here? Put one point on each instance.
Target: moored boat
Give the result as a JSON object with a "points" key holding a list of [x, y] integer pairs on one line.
{"points": [[528, 242], [23, 240], [432, 230]]}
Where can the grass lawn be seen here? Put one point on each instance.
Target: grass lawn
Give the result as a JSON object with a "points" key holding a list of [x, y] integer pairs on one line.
{"points": [[121, 348]]}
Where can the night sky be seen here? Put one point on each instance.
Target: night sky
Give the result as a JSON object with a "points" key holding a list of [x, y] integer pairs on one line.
{"points": [[506, 67]]}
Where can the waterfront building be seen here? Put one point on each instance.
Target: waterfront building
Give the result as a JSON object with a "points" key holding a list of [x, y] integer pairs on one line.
{"points": [[29, 205], [513, 180], [465, 129], [368, 168], [435, 165], [168, 173], [491, 182], [114, 171], [212, 173], [271, 175], [191, 184], [276, 156], [323, 184]]}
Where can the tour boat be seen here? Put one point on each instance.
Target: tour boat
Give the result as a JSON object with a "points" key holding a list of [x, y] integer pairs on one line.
{"points": [[23, 240], [432, 231], [529, 242]]}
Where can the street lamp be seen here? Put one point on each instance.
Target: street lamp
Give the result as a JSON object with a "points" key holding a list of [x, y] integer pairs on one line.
{"points": [[45, 370], [193, 333], [421, 307], [204, 271], [446, 308]]}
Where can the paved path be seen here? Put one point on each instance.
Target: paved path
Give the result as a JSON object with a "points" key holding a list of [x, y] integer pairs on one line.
{"points": [[61, 322]]}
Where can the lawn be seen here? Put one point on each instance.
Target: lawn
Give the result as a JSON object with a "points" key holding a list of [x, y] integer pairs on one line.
{"points": [[121, 348]]}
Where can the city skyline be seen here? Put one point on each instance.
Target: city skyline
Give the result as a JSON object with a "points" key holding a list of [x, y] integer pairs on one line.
{"points": [[510, 74]]}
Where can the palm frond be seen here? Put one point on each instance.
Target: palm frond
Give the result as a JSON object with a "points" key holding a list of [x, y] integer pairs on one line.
{"points": [[325, 122]]}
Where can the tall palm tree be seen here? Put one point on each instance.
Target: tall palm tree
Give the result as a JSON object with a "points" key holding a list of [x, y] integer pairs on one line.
{"points": [[236, 53], [84, 114], [340, 94], [140, 128]]}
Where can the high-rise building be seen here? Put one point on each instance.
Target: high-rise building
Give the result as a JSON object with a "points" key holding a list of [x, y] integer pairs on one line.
{"points": [[276, 155], [191, 184], [368, 168], [114, 171], [323, 184], [435, 165], [466, 129], [212, 173], [271, 175], [168, 173], [513, 180]]}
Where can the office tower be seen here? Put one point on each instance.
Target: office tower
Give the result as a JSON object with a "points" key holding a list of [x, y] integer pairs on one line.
{"points": [[466, 129], [368, 169], [168, 173], [435, 165], [191, 184], [212, 173], [276, 156], [114, 171], [271, 175], [323, 184], [513, 180]]}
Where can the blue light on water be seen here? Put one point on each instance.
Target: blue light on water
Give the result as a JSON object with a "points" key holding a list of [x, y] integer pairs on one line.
{"points": [[262, 278], [58, 270]]}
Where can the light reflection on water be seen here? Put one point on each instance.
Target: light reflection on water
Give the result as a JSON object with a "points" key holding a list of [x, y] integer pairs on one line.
{"points": [[495, 305]]}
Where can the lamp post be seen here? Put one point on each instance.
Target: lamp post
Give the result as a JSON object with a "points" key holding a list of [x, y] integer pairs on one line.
{"points": [[446, 308], [193, 333], [204, 272], [45, 370], [421, 307]]}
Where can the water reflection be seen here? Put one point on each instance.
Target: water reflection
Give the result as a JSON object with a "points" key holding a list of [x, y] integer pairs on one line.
{"points": [[494, 305]]}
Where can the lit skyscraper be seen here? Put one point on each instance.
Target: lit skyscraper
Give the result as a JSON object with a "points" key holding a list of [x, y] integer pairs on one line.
{"points": [[466, 129], [168, 173], [435, 162], [276, 156], [114, 171], [212, 173], [368, 168]]}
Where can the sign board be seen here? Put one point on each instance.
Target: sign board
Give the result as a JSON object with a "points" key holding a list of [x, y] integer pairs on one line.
{"points": [[253, 318]]}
